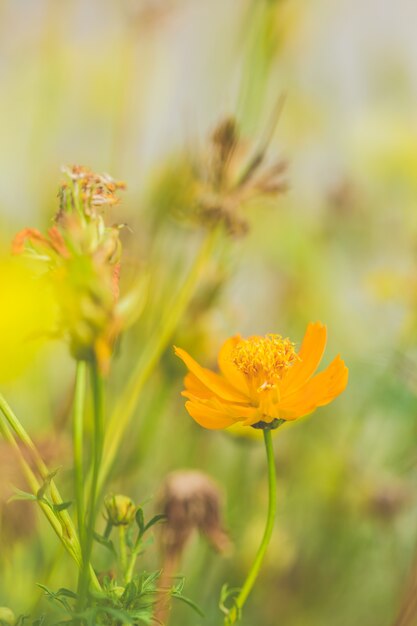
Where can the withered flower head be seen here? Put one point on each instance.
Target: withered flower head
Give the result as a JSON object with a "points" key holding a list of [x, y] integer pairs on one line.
{"points": [[215, 186], [191, 501], [120, 510], [386, 500], [81, 254], [86, 192]]}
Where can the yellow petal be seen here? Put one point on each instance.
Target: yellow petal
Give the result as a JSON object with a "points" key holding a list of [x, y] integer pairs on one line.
{"points": [[240, 429], [310, 354], [228, 368], [318, 391], [196, 387], [217, 384], [208, 418], [235, 411]]}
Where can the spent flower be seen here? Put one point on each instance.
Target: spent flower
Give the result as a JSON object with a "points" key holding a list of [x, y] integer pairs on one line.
{"points": [[81, 254], [191, 501], [215, 186]]}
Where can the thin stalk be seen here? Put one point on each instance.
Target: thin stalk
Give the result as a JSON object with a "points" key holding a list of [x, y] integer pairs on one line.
{"points": [[60, 521], [62, 518], [130, 566], [97, 445], [234, 614], [78, 428], [122, 551], [158, 342], [34, 486]]}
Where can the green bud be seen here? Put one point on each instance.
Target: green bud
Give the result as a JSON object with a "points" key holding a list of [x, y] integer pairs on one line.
{"points": [[7, 616], [120, 510]]}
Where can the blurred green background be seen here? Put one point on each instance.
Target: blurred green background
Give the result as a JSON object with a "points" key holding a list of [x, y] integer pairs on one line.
{"points": [[128, 87]]}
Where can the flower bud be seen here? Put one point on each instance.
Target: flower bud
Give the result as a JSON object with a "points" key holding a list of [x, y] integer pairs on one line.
{"points": [[120, 510], [7, 616]]}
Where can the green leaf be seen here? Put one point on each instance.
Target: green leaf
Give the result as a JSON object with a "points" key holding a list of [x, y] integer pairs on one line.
{"points": [[189, 602], [22, 495], [148, 583], [130, 593], [107, 543], [179, 586], [63, 591], [140, 521], [145, 615], [108, 529], [130, 542], [46, 483], [225, 594], [154, 520], [61, 507], [55, 597]]}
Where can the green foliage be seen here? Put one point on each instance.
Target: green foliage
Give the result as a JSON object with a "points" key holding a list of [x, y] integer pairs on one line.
{"points": [[116, 605]]}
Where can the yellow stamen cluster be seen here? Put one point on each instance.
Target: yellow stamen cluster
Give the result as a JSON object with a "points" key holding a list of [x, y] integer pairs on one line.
{"points": [[266, 358]]}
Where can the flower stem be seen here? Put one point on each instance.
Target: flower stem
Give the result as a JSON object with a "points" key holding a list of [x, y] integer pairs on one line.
{"points": [[34, 485], [158, 342], [130, 566], [78, 427], [60, 520], [97, 448], [123, 552], [234, 614]]}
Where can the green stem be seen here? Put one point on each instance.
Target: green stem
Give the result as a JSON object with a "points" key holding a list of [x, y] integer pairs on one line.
{"points": [[130, 566], [34, 486], [78, 427], [66, 531], [234, 613], [122, 551], [60, 521], [132, 560], [97, 445], [128, 399]]}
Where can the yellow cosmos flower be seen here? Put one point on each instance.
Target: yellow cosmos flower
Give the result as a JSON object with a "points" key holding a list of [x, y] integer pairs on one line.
{"points": [[262, 381]]}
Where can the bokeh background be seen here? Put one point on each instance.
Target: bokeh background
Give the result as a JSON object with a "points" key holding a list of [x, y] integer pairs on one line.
{"points": [[130, 87]]}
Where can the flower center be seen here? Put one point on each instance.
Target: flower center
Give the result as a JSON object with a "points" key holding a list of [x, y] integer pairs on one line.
{"points": [[264, 359]]}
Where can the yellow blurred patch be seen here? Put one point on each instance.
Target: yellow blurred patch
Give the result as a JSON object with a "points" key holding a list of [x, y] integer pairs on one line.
{"points": [[27, 315]]}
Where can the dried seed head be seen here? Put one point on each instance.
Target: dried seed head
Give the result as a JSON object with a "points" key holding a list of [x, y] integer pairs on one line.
{"points": [[215, 186], [387, 500], [233, 178], [191, 501]]}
